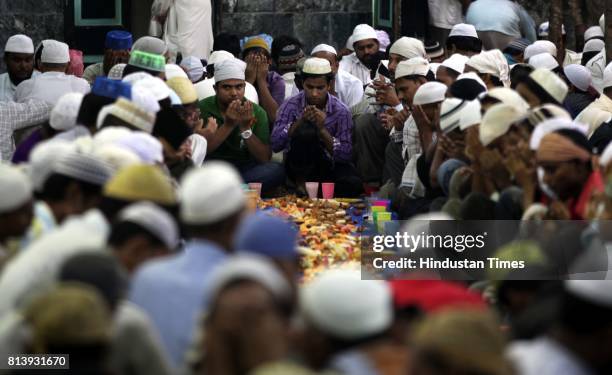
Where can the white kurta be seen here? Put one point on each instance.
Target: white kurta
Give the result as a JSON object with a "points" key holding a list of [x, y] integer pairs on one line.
{"points": [[7, 88], [49, 87], [353, 65], [188, 26], [348, 88]]}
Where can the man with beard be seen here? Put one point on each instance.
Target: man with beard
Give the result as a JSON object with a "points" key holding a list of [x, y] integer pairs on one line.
{"points": [[19, 60], [363, 63], [117, 51], [344, 85]]}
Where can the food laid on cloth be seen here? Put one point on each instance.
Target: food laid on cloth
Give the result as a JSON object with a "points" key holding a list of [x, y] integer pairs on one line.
{"points": [[329, 231]]}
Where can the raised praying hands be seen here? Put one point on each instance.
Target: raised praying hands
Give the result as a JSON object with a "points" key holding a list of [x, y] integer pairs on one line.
{"points": [[315, 115], [385, 92]]}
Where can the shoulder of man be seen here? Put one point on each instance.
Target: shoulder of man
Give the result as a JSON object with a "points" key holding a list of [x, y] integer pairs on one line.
{"points": [[260, 113]]}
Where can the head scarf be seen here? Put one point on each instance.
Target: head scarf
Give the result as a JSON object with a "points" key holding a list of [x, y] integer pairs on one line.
{"points": [[492, 62], [555, 147]]}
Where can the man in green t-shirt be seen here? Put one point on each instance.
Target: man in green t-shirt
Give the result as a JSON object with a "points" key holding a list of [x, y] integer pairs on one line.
{"points": [[242, 137]]}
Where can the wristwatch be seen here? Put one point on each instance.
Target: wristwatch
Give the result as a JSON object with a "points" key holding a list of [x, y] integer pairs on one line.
{"points": [[246, 134]]}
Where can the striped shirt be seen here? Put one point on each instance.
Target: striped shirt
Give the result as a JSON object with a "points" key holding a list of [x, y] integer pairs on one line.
{"points": [[15, 116], [338, 123]]}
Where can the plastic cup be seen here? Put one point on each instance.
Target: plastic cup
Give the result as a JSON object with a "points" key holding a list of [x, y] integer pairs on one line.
{"points": [[312, 188], [379, 209], [255, 186], [328, 190]]}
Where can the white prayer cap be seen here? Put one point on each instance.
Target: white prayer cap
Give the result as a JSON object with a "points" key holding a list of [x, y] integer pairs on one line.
{"points": [[594, 45], [578, 76], [15, 188], [154, 85], [315, 65], [19, 43], [463, 29], [593, 32], [456, 62], [151, 45], [607, 76], [552, 125], [109, 135], [491, 62], [598, 292], [211, 193], [342, 305], [497, 121], [349, 43], [363, 32], [474, 76], [55, 52], [154, 219], [544, 61], [253, 268], [540, 46], [450, 114], [430, 92], [250, 92], [606, 156], [324, 48], [148, 148], [543, 30], [173, 70], [229, 69], [433, 67], [508, 96], [194, 68], [145, 99], [132, 78], [64, 114], [117, 157], [416, 66], [218, 56], [408, 48], [42, 158], [83, 167], [551, 83], [116, 72], [471, 115]]}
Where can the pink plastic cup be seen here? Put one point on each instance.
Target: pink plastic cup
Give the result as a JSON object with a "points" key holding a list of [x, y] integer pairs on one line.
{"points": [[256, 186], [313, 189], [328, 190]]}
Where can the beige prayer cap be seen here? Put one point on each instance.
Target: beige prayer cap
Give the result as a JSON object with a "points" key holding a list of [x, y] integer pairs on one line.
{"points": [[19, 43], [129, 112], [315, 65], [466, 339], [416, 66], [408, 48], [551, 83], [15, 188], [508, 96], [184, 88], [497, 121], [71, 315]]}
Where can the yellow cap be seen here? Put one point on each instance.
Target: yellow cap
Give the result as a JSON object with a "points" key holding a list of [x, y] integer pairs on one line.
{"points": [[256, 42], [184, 88], [141, 182]]}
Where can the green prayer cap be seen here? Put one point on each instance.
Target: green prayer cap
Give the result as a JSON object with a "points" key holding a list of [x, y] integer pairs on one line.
{"points": [[149, 61]]}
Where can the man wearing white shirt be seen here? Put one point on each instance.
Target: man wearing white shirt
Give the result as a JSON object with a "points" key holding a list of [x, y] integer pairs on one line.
{"points": [[344, 85], [53, 83], [364, 61], [443, 15], [19, 60]]}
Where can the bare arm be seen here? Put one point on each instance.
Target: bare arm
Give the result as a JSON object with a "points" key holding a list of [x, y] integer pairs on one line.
{"points": [[265, 97]]}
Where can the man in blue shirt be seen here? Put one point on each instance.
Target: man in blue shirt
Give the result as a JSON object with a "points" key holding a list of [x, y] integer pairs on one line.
{"points": [[173, 290]]}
